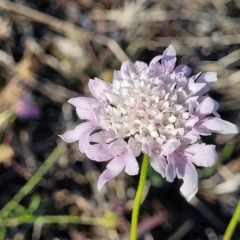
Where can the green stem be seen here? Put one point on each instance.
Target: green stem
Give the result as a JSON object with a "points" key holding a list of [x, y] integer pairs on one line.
{"points": [[5, 115], [30, 184], [137, 201], [10, 222], [233, 223], [2, 230]]}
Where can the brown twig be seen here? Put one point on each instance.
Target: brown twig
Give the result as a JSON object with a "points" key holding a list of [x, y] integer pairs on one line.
{"points": [[64, 27], [163, 16]]}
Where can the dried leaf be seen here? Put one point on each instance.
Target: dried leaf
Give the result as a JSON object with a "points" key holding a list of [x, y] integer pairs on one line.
{"points": [[6, 152]]}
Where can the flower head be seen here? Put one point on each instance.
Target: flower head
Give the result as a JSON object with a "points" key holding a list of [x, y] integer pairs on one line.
{"points": [[25, 107], [157, 109]]}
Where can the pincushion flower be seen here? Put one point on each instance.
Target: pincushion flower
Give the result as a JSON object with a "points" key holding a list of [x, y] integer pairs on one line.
{"points": [[157, 109], [25, 107]]}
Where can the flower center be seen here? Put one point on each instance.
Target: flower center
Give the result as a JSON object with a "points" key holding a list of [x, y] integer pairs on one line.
{"points": [[146, 108]]}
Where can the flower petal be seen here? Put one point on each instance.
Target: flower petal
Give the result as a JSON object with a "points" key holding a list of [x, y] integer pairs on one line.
{"points": [[187, 172], [97, 87], [218, 125], [131, 167], [155, 60], [189, 138], [159, 164], [170, 168], [86, 114], [194, 87], [113, 169], [206, 107], [99, 137], [135, 146], [201, 130], [112, 97], [121, 150], [78, 132], [169, 59], [191, 121], [99, 152], [184, 69], [81, 133], [84, 103], [125, 66], [201, 154], [140, 66], [208, 78], [170, 146]]}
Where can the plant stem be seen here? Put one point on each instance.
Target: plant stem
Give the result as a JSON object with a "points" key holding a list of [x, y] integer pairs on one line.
{"points": [[31, 183], [10, 222], [233, 223], [138, 197]]}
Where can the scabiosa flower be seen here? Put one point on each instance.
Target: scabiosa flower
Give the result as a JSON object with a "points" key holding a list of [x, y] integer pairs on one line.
{"points": [[157, 109], [25, 107]]}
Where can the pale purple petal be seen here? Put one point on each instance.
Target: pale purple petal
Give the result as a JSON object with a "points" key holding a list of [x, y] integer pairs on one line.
{"points": [[169, 59], [190, 137], [191, 121], [193, 87], [183, 69], [155, 60], [181, 96], [123, 157], [201, 130], [131, 167], [146, 148], [125, 66], [152, 147], [182, 83], [85, 107], [121, 150], [84, 103], [78, 132], [81, 133], [99, 137], [170, 146], [170, 168], [101, 119], [221, 126], [187, 172], [135, 146], [208, 78], [190, 101], [116, 76], [120, 147], [98, 87], [112, 97], [113, 169], [86, 114], [206, 107], [201, 154], [84, 138], [140, 66], [99, 152], [159, 164]]}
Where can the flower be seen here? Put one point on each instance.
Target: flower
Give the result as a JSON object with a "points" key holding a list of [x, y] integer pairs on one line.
{"points": [[157, 109], [25, 107]]}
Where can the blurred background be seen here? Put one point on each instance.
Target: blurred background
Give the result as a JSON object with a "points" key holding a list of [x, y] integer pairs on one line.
{"points": [[49, 49]]}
